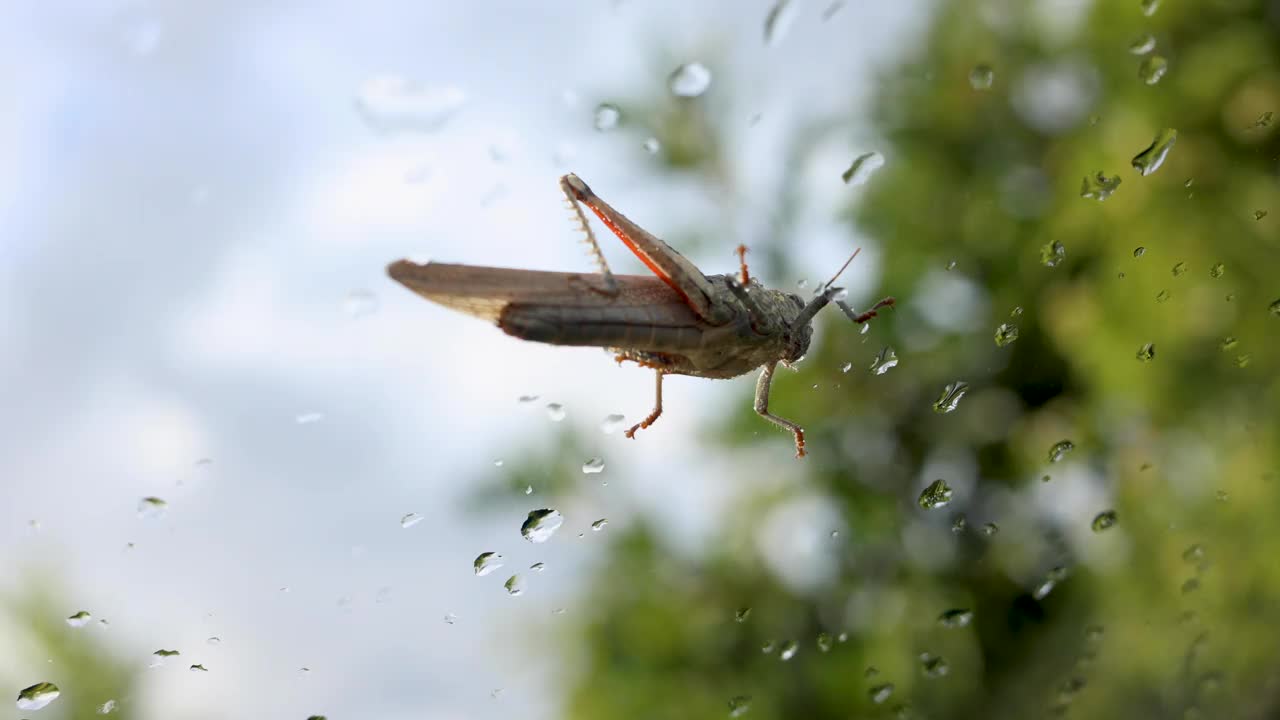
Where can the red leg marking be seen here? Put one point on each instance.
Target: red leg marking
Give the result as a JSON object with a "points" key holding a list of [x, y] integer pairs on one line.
{"points": [[742, 261]]}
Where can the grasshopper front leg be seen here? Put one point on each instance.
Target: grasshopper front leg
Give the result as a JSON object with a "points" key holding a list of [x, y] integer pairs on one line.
{"points": [[863, 317], [657, 408], [762, 408]]}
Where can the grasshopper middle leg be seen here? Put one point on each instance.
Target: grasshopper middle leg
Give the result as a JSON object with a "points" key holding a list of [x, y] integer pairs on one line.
{"points": [[762, 408], [657, 408]]}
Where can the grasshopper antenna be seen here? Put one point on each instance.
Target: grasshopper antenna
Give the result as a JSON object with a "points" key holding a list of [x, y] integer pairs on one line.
{"points": [[841, 270], [826, 296]]}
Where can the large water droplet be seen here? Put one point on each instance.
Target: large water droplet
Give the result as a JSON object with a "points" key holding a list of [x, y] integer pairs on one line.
{"points": [[950, 397], [514, 585], [1274, 308], [739, 705], [689, 80], [1152, 69], [1150, 159], [880, 693], [1006, 333], [486, 562], [1147, 352], [152, 507], [593, 466], [541, 525], [37, 696], [956, 618], [80, 619], [788, 650], [608, 116], [862, 167], [887, 360], [981, 77], [555, 411], [410, 519], [1060, 450], [1053, 253], [936, 495], [1143, 44], [392, 104], [933, 666], [1104, 520], [1098, 186], [778, 21]]}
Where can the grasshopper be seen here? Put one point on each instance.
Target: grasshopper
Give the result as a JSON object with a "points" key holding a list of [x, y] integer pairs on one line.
{"points": [[677, 321]]}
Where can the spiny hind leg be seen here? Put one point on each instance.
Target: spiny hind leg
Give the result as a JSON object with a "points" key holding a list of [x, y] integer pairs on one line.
{"points": [[657, 407], [762, 408], [610, 282]]}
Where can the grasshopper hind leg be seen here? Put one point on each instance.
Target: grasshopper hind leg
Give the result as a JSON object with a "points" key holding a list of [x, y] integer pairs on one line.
{"points": [[610, 283], [762, 408]]}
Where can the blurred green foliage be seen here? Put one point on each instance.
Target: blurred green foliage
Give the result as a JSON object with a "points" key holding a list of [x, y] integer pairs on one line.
{"points": [[1138, 622]]}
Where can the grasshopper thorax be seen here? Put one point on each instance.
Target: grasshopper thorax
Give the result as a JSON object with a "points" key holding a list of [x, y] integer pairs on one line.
{"points": [[798, 335]]}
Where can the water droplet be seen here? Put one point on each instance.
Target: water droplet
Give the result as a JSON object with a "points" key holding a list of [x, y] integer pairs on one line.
{"points": [[555, 411], [846, 367], [956, 618], [887, 359], [1190, 586], [198, 668], [525, 399], [689, 80], [1104, 520], [842, 637], [1149, 7], [990, 529], [742, 614], [528, 489], [1217, 270], [360, 303], [880, 693], [1006, 333], [1046, 478], [611, 423], [538, 567], [486, 562], [862, 168], [739, 705], [593, 466], [802, 283], [652, 146], [936, 495], [951, 396], [1139, 251], [959, 524], [1147, 352], [393, 104], [1243, 360], [1264, 119], [1274, 308], [1193, 554], [450, 619], [871, 672], [410, 519], [1051, 254], [1060, 450], [541, 525], [80, 619], [1142, 44], [1179, 269], [514, 585], [788, 650], [1098, 186], [214, 640], [933, 666], [1046, 586], [308, 418], [1017, 311], [158, 657], [981, 77], [778, 21], [1150, 159], [1152, 69], [152, 507], [1228, 343], [1259, 214], [1163, 296], [107, 707], [599, 525], [608, 116], [767, 648], [825, 642], [37, 696], [1221, 496]]}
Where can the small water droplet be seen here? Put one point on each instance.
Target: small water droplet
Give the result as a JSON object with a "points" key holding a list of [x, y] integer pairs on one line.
{"points": [[887, 359], [1052, 254], [514, 585], [1244, 360], [825, 642], [541, 525], [652, 146], [599, 525], [1190, 586], [951, 265], [593, 466], [1193, 554], [450, 619], [1149, 7], [538, 567], [107, 707], [739, 705], [1221, 496], [394, 104], [1152, 69], [1017, 311], [742, 614], [1228, 343], [956, 618], [936, 495], [486, 562], [1264, 119], [981, 77], [1046, 586], [608, 116], [410, 519], [198, 668], [80, 619], [767, 648], [555, 411], [152, 507], [959, 524], [1150, 159], [37, 696], [990, 529], [1060, 450], [778, 21], [1163, 296], [360, 303], [1274, 308], [1139, 251], [1179, 269], [862, 167], [1104, 520], [1006, 333], [1098, 186], [951, 396], [1143, 44], [528, 489], [880, 693], [788, 650], [846, 367], [159, 657], [1259, 214], [871, 672], [214, 640], [1147, 352], [308, 418], [802, 283], [1046, 478], [689, 80], [611, 423], [1217, 270], [499, 462], [933, 666], [525, 399]]}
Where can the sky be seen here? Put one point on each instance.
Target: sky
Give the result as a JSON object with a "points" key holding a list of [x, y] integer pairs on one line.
{"points": [[197, 204]]}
